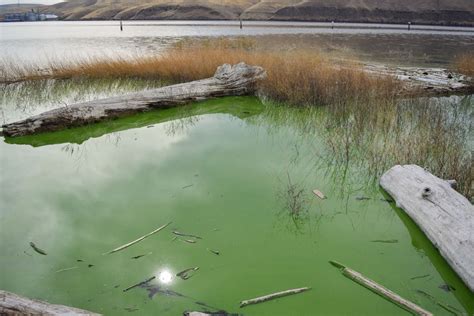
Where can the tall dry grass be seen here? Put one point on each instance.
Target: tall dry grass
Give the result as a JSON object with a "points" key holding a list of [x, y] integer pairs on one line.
{"points": [[464, 64], [296, 77]]}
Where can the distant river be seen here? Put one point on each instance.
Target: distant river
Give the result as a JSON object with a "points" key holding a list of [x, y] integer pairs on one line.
{"points": [[40, 41]]}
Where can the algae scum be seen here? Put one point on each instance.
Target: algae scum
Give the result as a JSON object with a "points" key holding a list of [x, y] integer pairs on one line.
{"points": [[237, 180]]}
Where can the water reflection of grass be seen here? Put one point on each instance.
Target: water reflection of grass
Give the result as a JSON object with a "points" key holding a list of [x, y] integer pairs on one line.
{"points": [[367, 139], [28, 97]]}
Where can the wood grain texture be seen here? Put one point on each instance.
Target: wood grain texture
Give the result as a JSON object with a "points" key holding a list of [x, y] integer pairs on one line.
{"points": [[443, 214], [13, 304]]}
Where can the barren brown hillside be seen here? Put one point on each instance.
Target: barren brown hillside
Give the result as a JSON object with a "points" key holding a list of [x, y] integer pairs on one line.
{"points": [[444, 12]]}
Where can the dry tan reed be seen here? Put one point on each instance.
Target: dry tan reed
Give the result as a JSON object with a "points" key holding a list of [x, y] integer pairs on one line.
{"points": [[464, 64], [297, 77]]}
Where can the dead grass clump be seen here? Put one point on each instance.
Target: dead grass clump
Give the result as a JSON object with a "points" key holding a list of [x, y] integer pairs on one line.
{"points": [[464, 64]]}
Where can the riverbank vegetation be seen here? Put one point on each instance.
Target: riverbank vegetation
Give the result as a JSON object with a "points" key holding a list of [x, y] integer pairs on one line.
{"points": [[367, 122], [298, 77], [464, 64]]}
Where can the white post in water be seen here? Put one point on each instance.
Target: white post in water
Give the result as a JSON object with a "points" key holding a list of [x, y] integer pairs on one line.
{"points": [[332, 24], [121, 25], [409, 25]]}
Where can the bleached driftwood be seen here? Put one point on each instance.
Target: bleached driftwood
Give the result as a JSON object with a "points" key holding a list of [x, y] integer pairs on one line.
{"points": [[272, 296], [444, 215], [12, 304], [428, 81], [380, 290], [239, 79]]}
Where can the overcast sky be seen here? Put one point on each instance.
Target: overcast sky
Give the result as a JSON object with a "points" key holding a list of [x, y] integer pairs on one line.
{"points": [[30, 1]]}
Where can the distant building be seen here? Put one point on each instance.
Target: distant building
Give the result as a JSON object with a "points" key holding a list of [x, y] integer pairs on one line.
{"points": [[29, 16]]}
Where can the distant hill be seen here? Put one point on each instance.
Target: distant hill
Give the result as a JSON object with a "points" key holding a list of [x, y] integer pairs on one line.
{"points": [[443, 12]]}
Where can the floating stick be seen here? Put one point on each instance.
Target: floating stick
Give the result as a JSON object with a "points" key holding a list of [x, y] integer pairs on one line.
{"points": [[216, 252], [380, 290], [40, 251], [139, 256], [184, 274], [388, 241], [138, 284], [66, 269], [268, 297], [185, 235], [138, 240]]}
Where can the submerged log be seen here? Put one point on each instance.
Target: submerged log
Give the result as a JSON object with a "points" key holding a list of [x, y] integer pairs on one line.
{"points": [[239, 79], [444, 215], [12, 304]]}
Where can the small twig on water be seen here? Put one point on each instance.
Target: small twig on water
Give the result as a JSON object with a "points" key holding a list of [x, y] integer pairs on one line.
{"points": [[268, 297], [185, 273], [137, 240], [214, 251], [185, 235], [139, 284], [66, 269], [139, 256], [38, 250]]}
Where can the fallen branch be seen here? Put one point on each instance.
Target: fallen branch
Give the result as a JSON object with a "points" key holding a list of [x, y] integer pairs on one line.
{"points": [[380, 290], [272, 296], [138, 240]]}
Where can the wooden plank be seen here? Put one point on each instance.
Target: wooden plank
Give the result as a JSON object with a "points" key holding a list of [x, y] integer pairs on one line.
{"points": [[443, 214], [13, 304], [239, 79]]}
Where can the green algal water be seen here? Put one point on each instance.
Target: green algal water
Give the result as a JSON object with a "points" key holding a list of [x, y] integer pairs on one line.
{"points": [[230, 172]]}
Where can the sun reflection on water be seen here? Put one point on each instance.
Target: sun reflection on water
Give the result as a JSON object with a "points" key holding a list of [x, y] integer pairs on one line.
{"points": [[165, 276]]}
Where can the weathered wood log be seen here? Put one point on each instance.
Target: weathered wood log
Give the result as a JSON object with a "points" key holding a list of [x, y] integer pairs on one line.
{"points": [[427, 81], [444, 215], [380, 290], [239, 79], [12, 304]]}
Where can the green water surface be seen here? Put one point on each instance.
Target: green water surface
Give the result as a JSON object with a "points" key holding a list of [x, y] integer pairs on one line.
{"points": [[220, 170]]}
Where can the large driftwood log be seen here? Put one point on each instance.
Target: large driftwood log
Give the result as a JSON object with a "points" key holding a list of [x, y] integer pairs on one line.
{"points": [[12, 304], [228, 80], [444, 215], [427, 81]]}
